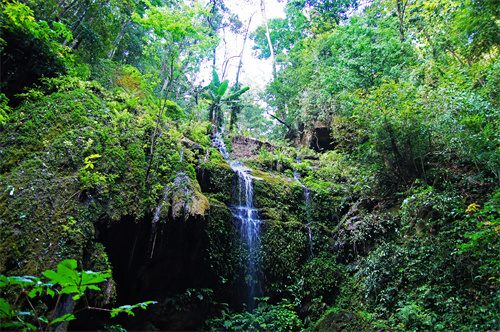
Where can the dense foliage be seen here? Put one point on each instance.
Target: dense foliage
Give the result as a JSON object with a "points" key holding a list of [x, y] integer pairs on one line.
{"points": [[377, 177]]}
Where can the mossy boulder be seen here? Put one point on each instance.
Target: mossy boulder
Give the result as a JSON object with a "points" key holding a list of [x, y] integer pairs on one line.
{"points": [[74, 185], [187, 200], [216, 178], [278, 197]]}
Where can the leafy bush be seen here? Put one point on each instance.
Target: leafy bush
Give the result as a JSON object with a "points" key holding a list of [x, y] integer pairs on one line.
{"points": [[427, 208], [69, 280], [483, 242], [267, 317]]}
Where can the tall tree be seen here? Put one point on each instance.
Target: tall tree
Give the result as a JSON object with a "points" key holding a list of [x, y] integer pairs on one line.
{"points": [[177, 41], [240, 63], [268, 35]]}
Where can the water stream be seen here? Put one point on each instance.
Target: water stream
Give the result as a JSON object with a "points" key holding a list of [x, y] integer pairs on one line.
{"points": [[247, 216], [181, 154], [307, 202]]}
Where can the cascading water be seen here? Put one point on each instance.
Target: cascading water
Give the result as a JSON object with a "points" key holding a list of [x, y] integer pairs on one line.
{"points": [[247, 216], [307, 201], [181, 154]]}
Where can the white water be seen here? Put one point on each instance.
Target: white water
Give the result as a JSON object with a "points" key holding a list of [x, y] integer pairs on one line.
{"points": [[181, 154], [247, 215], [307, 201]]}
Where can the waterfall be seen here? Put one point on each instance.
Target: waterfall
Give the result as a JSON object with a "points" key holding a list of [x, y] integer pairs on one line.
{"points": [[307, 202], [296, 175], [181, 154], [247, 216], [219, 143]]}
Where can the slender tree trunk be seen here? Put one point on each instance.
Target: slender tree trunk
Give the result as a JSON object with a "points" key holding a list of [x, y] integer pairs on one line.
{"points": [[280, 121], [242, 50], [160, 114], [268, 35], [235, 109], [401, 8], [64, 9], [165, 84], [225, 64], [78, 22], [118, 39]]}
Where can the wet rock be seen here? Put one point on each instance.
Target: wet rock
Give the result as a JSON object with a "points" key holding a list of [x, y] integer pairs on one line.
{"points": [[187, 200], [318, 137], [248, 148], [189, 144]]}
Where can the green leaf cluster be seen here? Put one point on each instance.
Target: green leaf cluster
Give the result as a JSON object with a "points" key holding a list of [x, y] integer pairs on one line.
{"points": [[266, 317], [66, 280], [216, 95]]}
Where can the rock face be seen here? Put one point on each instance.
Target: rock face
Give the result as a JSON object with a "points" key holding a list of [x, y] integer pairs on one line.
{"points": [[318, 137], [187, 200], [248, 148]]}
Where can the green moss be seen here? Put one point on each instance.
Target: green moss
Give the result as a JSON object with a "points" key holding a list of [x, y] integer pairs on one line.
{"points": [[216, 180], [221, 250], [56, 200], [278, 197], [284, 248]]}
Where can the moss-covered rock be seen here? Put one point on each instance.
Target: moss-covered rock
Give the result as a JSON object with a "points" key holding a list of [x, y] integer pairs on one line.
{"points": [[278, 197], [74, 168], [222, 251], [216, 178]]}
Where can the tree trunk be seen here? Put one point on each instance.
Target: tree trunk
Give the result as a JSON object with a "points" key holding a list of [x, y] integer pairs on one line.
{"points": [[268, 35], [59, 14], [78, 22], [118, 39], [241, 54], [160, 114], [401, 7]]}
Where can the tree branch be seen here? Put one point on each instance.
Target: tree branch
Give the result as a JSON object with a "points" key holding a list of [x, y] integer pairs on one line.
{"points": [[280, 121]]}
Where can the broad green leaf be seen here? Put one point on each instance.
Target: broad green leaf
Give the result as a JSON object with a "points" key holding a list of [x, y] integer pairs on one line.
{"points": [[222, 88], [215, 78], [208, 96], [50, 292], [238, 93], [30, 326], [22, 281], [94, 287], [213, 88], [65, 318], [37, 291], [68, 268], [5, 310], [3, 280], [58, 278], [90, 277], [70, 289], [66, 274]]}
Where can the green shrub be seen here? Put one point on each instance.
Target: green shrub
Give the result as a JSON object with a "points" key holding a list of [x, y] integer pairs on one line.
{"points": [[267, 317], [68, 281]]}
